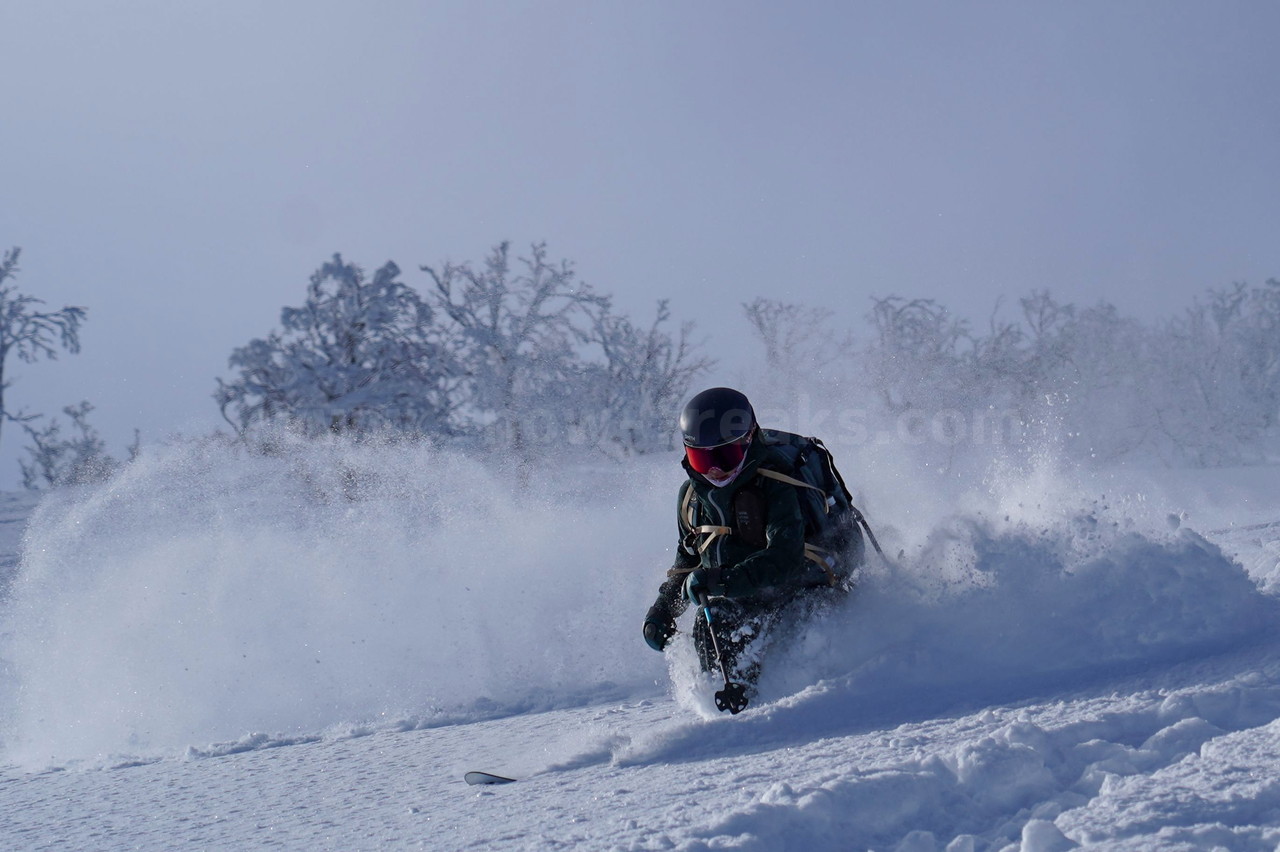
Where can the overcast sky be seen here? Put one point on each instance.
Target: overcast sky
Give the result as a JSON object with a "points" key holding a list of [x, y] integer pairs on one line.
{"points": [[181, 168]]}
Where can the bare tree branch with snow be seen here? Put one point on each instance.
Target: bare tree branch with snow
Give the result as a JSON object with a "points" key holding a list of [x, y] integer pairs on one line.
{"points": [[29, 333]]}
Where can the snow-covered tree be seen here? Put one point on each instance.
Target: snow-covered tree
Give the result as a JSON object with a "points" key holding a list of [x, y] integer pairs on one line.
{"points": [[1218, 400], [549, 363], [1202, 388], [919, 357], [644, 378], [520, 333], [359, 355], [1081, 376], [30, 333], [77, 459], [803, 352]]}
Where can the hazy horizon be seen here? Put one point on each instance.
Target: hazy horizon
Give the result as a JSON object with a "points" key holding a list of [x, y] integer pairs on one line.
{"points": [[181, 171]]}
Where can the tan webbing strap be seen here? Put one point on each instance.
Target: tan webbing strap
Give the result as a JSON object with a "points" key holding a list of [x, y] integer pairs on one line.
{"points": [[688, 514], [816, 555], [782, 477], [711, 533]]}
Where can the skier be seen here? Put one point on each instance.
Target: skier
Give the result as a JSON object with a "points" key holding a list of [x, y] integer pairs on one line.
{"points": [[743, 528]]}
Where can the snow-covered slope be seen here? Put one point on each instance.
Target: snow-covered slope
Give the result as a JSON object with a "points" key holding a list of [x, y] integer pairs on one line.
{"points": [[223, 651]]}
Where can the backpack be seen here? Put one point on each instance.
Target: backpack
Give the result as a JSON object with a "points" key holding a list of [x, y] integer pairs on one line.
{"points": [[833, 540], [825, 500]]}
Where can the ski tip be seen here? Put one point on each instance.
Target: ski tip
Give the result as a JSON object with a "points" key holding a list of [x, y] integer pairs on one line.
{"points": [[474, 778]]}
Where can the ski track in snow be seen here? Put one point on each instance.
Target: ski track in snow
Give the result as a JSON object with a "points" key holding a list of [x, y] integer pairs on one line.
{"points": [[1125, 694]]}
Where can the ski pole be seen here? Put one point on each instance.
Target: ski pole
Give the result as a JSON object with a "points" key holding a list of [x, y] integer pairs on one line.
{"points": [[734, 695], [861, 519]]}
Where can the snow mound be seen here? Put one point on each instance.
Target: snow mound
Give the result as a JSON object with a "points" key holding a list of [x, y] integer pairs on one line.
{"points": [[1124, 773], [989, 604]]}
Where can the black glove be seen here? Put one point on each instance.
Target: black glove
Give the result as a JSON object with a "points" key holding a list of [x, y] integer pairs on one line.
{"points": [[659, 627], [703, 581]]}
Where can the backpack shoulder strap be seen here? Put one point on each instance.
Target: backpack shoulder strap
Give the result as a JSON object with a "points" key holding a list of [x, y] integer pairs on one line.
{"points": [[689, 519], [688, 511], [831, 468], [782, 477]]}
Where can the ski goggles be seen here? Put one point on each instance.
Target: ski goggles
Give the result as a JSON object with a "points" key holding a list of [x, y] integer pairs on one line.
{"points": [[725, 457]]}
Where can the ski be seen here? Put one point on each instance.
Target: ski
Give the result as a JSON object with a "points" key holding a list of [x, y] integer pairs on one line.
{"points": [[486, 778]]}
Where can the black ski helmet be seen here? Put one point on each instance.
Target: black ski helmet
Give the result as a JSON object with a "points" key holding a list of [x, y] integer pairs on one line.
{"points": [[716, 416]]}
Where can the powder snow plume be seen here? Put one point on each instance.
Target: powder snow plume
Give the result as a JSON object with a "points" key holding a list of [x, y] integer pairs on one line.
{"points": [[209, 592], [1032, 581]]}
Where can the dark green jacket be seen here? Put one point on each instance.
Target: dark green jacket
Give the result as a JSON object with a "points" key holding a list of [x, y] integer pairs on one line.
{"points": [[774, 568]]}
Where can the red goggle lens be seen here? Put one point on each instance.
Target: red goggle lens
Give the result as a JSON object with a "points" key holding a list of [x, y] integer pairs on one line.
{"points": [[726, 457]]}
